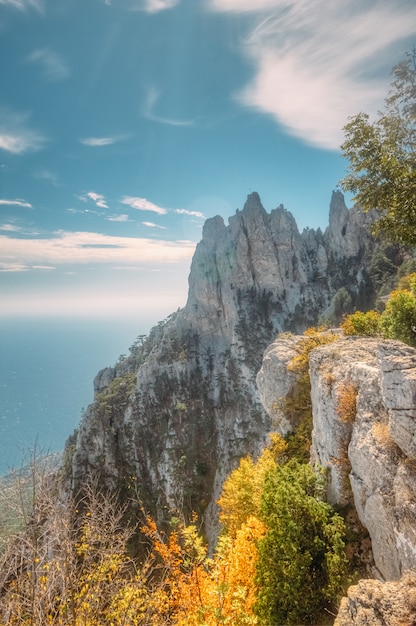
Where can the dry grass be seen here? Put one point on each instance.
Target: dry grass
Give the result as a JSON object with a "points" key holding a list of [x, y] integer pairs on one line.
{"points": [[347, 403], [381, 432]]}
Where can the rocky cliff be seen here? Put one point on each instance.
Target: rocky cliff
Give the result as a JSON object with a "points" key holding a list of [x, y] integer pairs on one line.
{"points": [[176, 415], [363, 395]]}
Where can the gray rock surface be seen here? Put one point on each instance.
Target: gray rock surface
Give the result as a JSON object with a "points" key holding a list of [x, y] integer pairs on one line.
{"points": [[373, 603], [370, 456]]}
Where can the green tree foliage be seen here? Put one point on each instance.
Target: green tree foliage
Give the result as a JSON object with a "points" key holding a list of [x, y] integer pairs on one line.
{"points": [[341, 304], [397, 320], [363, 324], [241, 492], [302, 565], [399, 317], [382, 157]]}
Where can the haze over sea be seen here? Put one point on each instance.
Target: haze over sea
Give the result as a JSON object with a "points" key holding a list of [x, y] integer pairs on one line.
{"points": [[47, 368]]}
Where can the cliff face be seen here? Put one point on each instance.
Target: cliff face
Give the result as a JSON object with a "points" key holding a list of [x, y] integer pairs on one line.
{"points": [[178, 413], [363, 395]]}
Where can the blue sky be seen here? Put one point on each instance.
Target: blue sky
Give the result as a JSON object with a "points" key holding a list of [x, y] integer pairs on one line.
{"points": [[124, 124]]}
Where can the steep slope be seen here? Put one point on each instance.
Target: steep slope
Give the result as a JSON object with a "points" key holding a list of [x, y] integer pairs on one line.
{"points": [[176, 415]]}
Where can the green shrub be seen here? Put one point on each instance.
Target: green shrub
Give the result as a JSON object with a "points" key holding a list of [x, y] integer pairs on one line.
{"points": [[399, 317], [302, 565], [363, 324]]}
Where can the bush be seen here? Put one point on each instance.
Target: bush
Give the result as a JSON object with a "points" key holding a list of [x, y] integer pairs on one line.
{"points": [[302, 564], [399, 317], [363, 324]]}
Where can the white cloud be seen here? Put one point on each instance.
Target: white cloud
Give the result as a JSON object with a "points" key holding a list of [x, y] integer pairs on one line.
{"points": [[11, 228], [142, 204], [91, 248], [51, 63], [22, 5], [154, 6], [98, 198], [153, 225], [191, 213], [19, 203], [148, 110], [318, 63], [13, 267], [118, 218], [15, 136], [147, 6], [151, 6], [240, 6], [99, 141]]}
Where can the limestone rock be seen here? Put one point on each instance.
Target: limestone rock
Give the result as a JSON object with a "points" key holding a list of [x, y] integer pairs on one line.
{"points": [[372, 603], [275, 381], [368, 456], [364, 430], [193, 408]]}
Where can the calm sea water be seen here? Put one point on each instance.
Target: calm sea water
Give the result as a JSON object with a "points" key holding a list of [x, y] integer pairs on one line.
{"points": [[47, 369]]}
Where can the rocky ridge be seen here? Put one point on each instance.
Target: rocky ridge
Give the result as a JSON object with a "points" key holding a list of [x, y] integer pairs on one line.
{"points": [[177, 414]]}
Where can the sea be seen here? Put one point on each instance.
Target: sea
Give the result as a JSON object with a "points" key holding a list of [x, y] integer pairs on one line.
{"points": [[47, 368]]}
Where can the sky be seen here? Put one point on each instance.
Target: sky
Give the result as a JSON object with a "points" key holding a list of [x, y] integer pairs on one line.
{"points": [[124, 124]]}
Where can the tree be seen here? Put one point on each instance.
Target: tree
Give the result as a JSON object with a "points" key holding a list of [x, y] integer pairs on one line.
{"points": [[241, 492], [363, 324], [382, 156], [399, 317], [301, 565], [397, 321]]}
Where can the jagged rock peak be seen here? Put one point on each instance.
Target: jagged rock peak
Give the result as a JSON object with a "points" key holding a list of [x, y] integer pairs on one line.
{"points": [[337, 205], [212, 227], [253, 203], [338, 214]]}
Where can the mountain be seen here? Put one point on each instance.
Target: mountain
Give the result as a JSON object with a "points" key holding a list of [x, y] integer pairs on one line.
{"points": [[175, 416]]}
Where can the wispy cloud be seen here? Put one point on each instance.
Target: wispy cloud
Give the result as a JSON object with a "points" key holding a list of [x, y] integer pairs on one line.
{"points": [[148, 110], [97, 198], [23, 5], [142, 204], [241, 6], [118, 218], [191, 213], [66, 248], [50, 62], [148, 6], [97, 142], [153, 225], [47, 176], [15, 135], [10, 228], [318, 63], [154, 6], [19, 203]]}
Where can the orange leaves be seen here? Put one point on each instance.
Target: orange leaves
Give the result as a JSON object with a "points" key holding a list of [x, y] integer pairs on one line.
{"points": [[191, 588]]}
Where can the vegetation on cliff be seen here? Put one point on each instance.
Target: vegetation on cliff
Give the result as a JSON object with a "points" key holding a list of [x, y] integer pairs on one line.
{"points": [[78, 561]]}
